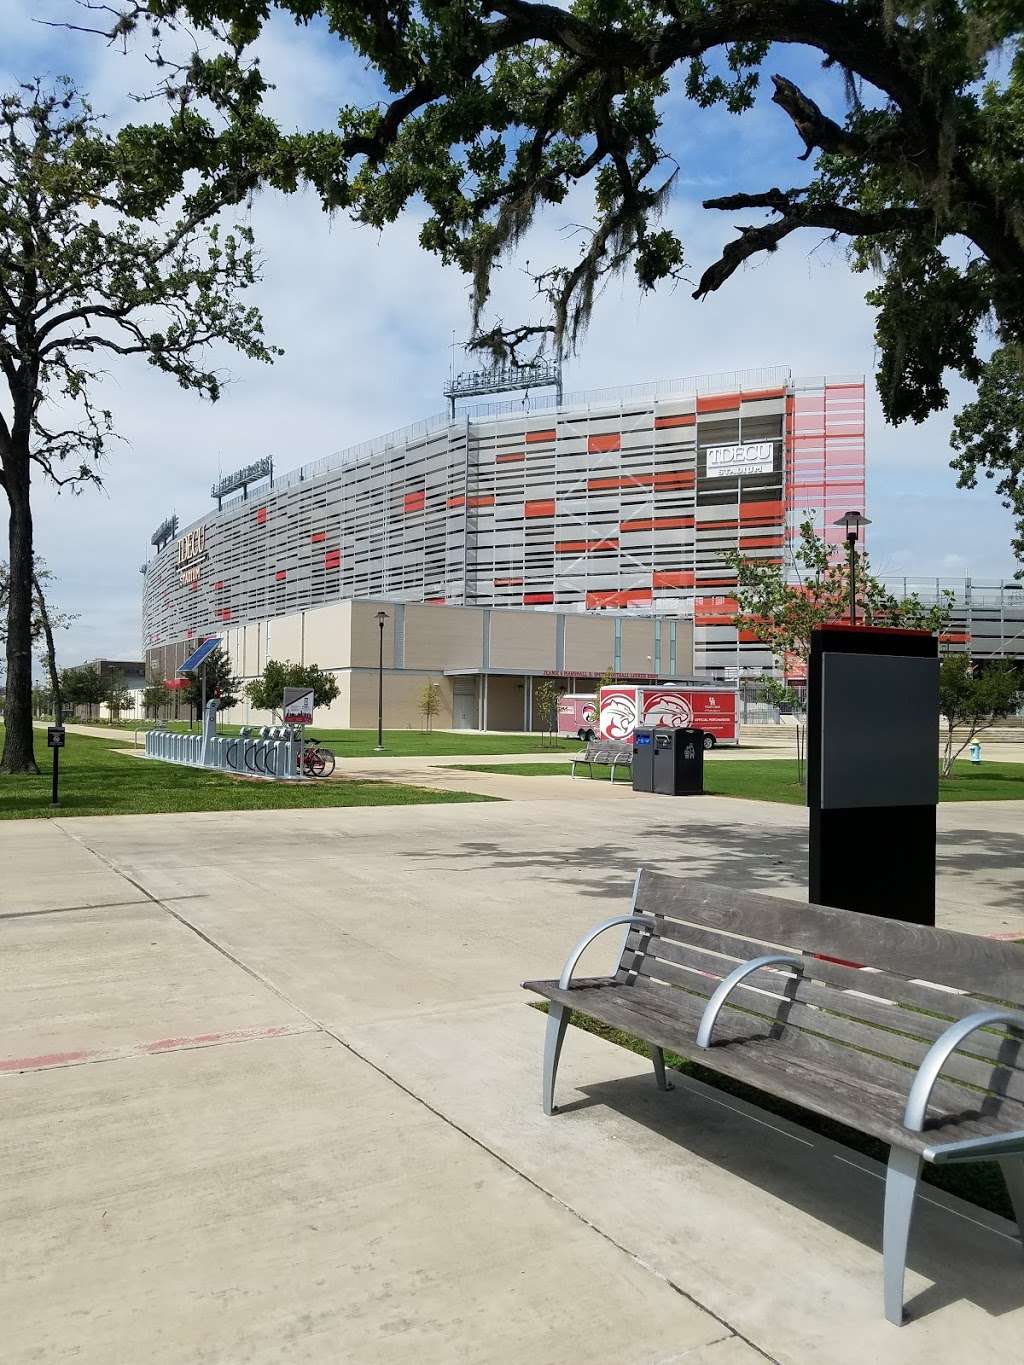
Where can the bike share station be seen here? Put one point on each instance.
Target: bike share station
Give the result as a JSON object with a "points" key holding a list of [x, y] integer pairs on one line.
{"points": [[276, 753], [668, 761]]}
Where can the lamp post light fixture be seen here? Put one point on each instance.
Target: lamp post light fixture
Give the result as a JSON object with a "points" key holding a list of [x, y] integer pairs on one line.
{"points": [[382, 616], [852, 523]]}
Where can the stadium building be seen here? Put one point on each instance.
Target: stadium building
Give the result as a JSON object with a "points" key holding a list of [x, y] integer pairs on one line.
{"points": [[621, 503]]}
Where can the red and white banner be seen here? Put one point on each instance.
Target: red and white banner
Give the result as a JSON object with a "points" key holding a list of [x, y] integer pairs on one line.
{"points": [[623, 708]]}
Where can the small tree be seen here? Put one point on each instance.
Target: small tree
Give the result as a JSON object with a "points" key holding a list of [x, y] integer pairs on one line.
{"points": [[972, 700], [42, 702], [221, 684], [82, 686], [266, 693], [155, 696], [117, 699], [45, 622], [429, 704], [605, 680], [783, 614], [545, 703]]}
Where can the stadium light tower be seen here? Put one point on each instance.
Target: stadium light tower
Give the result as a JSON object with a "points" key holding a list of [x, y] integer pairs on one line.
{"points": [[852, 523]]}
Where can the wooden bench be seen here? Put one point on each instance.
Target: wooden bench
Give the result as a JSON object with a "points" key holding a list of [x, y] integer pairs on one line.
{"points": [[733, 980], [607, 751]]}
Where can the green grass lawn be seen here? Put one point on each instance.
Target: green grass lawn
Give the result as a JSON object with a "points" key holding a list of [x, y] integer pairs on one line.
{"points": [[96, 779], [397, 743], [979, 1182], [774, 779]]}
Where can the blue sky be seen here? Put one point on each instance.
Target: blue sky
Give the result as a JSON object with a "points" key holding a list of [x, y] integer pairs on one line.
{"points": [[366, 321]]}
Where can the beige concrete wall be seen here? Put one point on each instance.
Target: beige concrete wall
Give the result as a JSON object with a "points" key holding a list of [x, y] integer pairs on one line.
{"points": [[523, 639], [365, 634], [284, 638], [441, 637], [589, 644], [402, 692], [637, 646], [684, 647], [328, 636]]}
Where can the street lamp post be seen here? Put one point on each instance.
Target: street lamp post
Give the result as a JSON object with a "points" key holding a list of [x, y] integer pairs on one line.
{"points": [[852, 522], [382, 616]]}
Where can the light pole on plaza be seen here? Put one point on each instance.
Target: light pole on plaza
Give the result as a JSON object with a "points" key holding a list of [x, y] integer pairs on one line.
{"points": [[382, 616], [852, 522]]}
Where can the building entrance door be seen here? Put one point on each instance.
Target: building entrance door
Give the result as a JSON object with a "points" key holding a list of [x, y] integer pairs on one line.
{"points": [[464, 709]]}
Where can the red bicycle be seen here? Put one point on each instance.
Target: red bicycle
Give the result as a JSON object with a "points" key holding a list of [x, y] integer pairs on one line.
{"points": [[315, 760]]}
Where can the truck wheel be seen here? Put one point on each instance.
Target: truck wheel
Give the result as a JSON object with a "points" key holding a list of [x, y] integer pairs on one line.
{"points": [[709, 741], [591, 735], [581, 735]]}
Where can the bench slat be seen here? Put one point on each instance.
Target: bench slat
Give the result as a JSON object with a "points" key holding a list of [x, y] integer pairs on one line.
{"points": [[984, 967], [802, 1070]]}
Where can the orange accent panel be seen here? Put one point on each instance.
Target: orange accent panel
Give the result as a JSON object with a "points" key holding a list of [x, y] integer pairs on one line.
{"points": [[681, 419], [755, 511], [537, 599], [625, 598], [760, 542], [748, 396], [508, 582], [596, 445], [332, 559], [718, 526], [261, 516], [719, 402], [281, 575], [682, 578], [218, 585], [510, 459], [749, 637], [434, 601], [484, 500], [675, 478], [656, 524], [568, 547], [415, 502], [540, 507], [717, 582], [457, 502], [318, 537], [535, 437]]}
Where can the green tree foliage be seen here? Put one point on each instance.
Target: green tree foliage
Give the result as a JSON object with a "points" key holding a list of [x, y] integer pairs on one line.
{"points": [[266, 693], [82, 686], [988, 435], [429, 704], [107, 249], [220, 683], [545, 705], [117, 699], [155, 697], [783, 613], [496, 110], [971, 700]]}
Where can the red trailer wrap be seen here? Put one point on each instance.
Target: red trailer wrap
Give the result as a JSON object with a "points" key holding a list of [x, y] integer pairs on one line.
{"points": [[710, 708]]}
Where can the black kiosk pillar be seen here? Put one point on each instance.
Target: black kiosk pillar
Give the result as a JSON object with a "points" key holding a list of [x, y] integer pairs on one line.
{"points": [[872, 770]]}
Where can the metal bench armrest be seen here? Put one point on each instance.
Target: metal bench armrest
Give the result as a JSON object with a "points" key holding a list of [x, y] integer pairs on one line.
{"points": [[938, 1055], [728, 984], [565, 980]]}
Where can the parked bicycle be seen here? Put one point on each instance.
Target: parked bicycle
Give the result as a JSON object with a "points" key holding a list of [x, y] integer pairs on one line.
{"points": [[315, 760]]}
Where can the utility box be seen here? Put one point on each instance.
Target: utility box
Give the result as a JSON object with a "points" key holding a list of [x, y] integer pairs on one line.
{"points": [[678, 761], [643, 758]]}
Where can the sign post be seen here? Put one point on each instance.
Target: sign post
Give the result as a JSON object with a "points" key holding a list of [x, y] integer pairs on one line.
{"points": [[297, 711], [55, 741]]}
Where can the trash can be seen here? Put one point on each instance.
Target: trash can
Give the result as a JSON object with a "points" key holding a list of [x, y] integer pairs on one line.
{"points": [[679, 761], [643, 759], [975, 752]]}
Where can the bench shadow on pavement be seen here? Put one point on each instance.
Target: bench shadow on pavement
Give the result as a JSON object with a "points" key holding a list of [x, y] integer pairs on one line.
{"points": [[758, 860], [964, 1259]]}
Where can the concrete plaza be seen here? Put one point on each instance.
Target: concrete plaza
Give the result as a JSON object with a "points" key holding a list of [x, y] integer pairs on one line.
{"points": [[272, 1094]]}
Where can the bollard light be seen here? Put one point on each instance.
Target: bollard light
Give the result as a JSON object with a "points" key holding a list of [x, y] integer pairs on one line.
{"points": [[382, 616]]}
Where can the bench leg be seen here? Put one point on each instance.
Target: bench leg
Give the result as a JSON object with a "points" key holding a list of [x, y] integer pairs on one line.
{"points": [[558, 1022], [658, 1058], [900, 1188], [1013, 1174]]}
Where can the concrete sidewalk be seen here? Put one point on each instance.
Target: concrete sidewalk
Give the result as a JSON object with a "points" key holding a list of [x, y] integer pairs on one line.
{"points": [[272, 1095]]}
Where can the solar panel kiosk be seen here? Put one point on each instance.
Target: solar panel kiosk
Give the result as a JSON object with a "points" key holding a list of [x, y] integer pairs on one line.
{"points": [[197, 660]]}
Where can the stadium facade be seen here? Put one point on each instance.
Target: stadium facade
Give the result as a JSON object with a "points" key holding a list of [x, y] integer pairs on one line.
{"points": [[621, 501]]}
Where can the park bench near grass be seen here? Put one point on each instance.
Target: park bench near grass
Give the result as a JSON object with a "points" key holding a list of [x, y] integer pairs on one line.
{"points": [[921, 1047], [604, 751]]}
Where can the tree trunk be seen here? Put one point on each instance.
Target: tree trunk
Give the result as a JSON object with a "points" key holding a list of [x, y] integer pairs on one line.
{"points": [[51, 652], [18, 755]]}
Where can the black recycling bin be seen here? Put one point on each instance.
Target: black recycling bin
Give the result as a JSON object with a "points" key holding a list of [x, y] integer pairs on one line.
{"points": [[678, 761], [643, 759]]}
